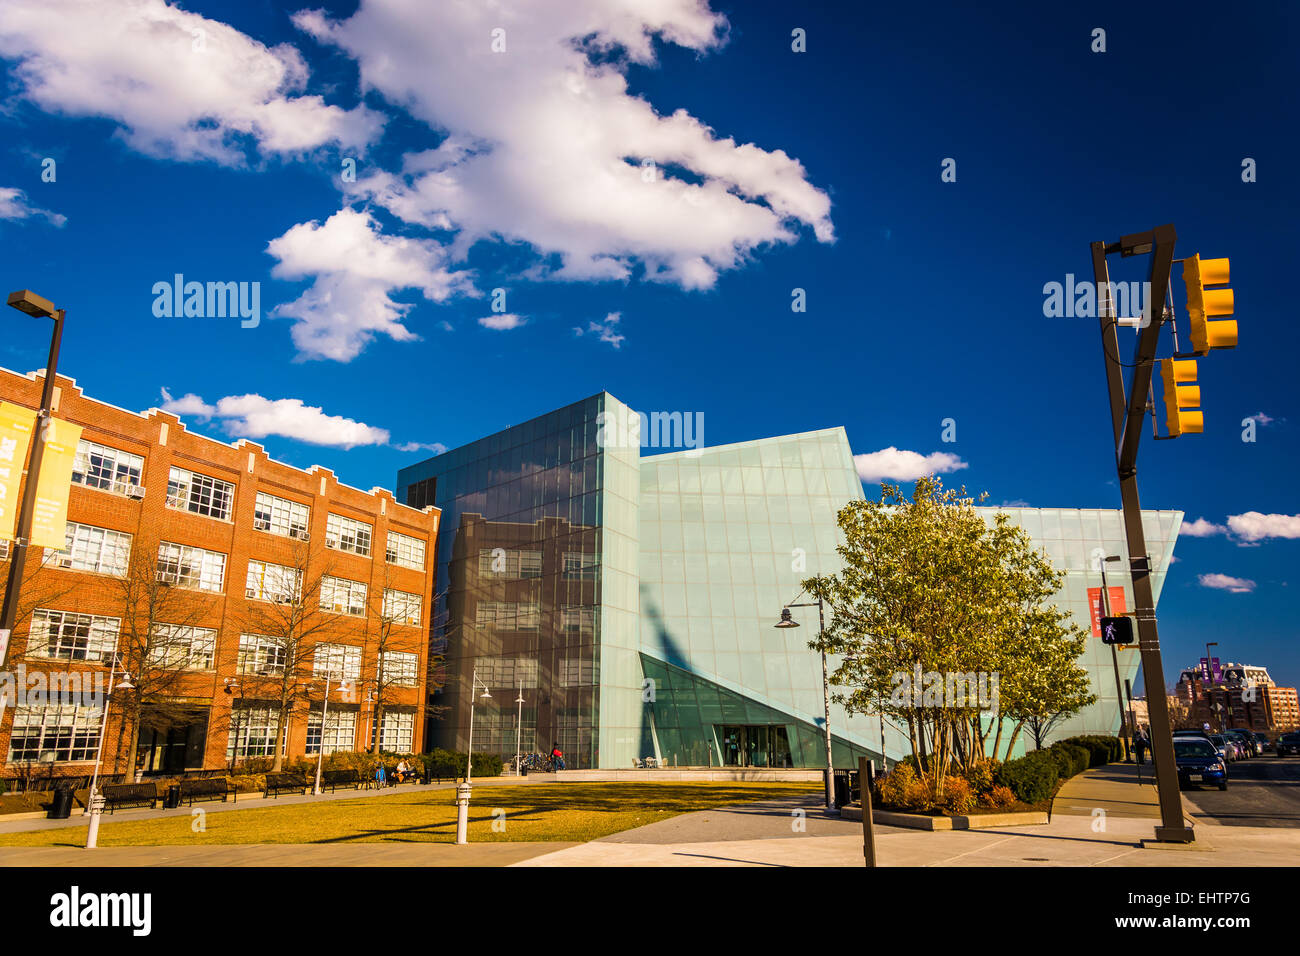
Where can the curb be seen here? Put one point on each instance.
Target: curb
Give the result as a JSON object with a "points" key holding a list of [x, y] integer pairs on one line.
{"points": [[918, 821]]}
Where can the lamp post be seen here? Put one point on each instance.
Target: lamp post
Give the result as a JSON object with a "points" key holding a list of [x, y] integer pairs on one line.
{"points": [[519, 725], [29, 303], [463, 790], [96, 807], [788, 621], [320, 751], [1125, 732], [1209, 680], [230, 685]]}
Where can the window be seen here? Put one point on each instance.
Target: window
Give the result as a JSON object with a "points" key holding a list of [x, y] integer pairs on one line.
{"points": [[396, 731], [337, 662], [94, 549], [578, 620], [177, 647], [580, 566], [253, 732], [401, 607], [347, 534], [200, 494], [65, 731], [507, 671], [342, 595], [399, 667], [577, 672], [187, 567], [272, 582], [98, 466], [510, 564], [260, 654], [404, 550], [508, 616], [72, 637], [340, 731], [281, 516]]}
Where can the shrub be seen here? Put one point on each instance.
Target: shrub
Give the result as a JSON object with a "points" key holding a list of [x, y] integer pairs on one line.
{"points": [[958, 795], [1101, 750], [3, 787], [980, 776], [1070, 758], [999, 798], [893, 786], [1031, 777], [918, 795]]}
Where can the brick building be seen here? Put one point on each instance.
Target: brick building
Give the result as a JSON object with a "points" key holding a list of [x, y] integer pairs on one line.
{"points": [[230, 588], [1247, 699]]}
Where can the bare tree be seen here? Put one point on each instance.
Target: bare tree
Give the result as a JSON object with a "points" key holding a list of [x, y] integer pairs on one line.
{"points": [[392, 611], [42, 586], [294, 608], [162, 604]]}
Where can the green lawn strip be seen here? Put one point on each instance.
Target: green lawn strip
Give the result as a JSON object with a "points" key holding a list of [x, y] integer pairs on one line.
{"points": [[543, 812]]}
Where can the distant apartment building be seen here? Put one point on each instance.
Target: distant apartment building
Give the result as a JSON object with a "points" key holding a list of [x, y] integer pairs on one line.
{"points": [[1247, 698], [230, 589]]}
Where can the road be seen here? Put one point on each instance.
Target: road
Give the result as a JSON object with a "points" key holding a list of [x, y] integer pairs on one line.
{"points": [[1262, 792]]}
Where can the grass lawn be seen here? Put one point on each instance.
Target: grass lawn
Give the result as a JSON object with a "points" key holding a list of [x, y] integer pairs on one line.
{"points": [[542, 812]]}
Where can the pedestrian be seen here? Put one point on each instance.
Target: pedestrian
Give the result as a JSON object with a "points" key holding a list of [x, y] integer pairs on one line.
{"points": [[379, 775], [1140, 745], [557, 758]]}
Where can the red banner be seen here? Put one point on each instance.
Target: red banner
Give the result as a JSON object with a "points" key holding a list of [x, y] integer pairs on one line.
{"points": [[1117, 606]]}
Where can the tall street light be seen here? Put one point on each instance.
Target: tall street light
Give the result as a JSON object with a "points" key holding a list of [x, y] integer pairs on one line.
{"points": [[29, 303], [1125, 732], [320, 751], [96, 807], [1210, 685], [788, 621], [519, 725], [463, 789]]}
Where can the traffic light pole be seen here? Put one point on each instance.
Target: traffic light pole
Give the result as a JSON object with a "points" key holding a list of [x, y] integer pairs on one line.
{"points": [[1128, 416]]}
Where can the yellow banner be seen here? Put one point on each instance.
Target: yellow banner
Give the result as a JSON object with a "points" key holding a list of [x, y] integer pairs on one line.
{"points": [[16, 424], [49, 519]]}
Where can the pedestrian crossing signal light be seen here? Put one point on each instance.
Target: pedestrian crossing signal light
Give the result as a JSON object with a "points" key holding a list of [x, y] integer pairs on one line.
{"points": [[1117, 630], [1204, 306], [1182, 397]]}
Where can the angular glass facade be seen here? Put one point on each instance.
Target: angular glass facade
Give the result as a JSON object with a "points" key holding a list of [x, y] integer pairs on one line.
{"points": [[633, 599]]}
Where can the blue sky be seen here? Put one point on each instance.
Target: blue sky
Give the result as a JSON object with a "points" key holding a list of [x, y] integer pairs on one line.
{"points": [[209, 139]]}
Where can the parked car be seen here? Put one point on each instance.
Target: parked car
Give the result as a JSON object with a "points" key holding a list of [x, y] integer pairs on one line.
{"points": [[1264, 743], [1192, 733], [1226, 750], [1288, 744], [1198, 762]]}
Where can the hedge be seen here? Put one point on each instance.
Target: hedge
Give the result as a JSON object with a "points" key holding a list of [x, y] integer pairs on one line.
{"points": [[1071, 758], [1102, 750]]}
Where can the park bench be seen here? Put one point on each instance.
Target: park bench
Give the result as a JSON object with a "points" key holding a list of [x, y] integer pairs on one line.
{"points": [[340, 778], [129, 795], [277, 783], [206, 788]]}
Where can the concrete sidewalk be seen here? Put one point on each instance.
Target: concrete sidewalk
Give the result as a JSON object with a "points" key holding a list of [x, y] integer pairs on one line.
{"points": [[1099, 818]]}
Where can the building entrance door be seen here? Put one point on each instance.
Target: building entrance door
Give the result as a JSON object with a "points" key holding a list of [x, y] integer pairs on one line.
{"points": [[754, 745]]}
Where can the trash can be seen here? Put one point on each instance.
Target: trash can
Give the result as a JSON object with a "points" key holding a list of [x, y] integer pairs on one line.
{"points": [[841, 789], [61, 807], [173, 798]]}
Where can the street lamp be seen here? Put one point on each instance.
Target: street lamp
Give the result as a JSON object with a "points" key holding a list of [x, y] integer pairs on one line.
{"points": [[29, 303], [1125, 732], [463, 790], [1209, 678], [320, 751], [519, 725], [788, 621], [96, 802]]}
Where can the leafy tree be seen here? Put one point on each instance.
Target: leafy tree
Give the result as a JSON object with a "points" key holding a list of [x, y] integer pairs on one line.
{"points": [[928, 587]]}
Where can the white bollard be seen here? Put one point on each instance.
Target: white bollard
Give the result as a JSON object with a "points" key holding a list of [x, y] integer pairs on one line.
{"points": [[462, 812], [96, 811]]}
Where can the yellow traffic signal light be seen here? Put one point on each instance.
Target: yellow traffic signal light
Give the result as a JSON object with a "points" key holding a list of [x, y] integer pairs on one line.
{"points": [[1181, 398], [1205, 305]]}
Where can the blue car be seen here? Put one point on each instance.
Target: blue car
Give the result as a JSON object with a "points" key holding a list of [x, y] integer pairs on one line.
{"points": [[1199, 762]]}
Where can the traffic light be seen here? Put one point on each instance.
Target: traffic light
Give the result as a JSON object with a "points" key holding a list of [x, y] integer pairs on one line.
{"points": [[1204, 306], [1117, 630], [1182, 396]]}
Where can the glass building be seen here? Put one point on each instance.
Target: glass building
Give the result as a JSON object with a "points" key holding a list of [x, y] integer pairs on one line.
{"points": [[623, 604]]}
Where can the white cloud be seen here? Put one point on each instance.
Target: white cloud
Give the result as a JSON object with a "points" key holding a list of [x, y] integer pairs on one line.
{"points": [[893, 464], [546, 145], [14, 205], [436, 447], [1260, 418], [355, 269], [252, 416], [188, 404], [502, 321], [178, 84], [606, 329], [1254, 526], [1224, 582], [1201, 528]]}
